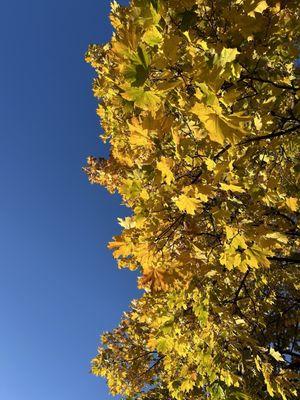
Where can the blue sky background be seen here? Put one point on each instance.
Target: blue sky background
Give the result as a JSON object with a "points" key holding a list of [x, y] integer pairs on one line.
{"points": [[59, 286]]}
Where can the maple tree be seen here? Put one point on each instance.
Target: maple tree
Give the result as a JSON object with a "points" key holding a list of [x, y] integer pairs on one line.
{"points": [[200, 101]]}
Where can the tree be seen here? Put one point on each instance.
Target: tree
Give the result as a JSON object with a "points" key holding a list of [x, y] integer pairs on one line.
{"points": [[200, 101]]}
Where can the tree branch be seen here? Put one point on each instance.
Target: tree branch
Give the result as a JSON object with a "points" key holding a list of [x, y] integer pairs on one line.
{"points": [[288, 260], [277, 85], [271, 135], [241, 285]]}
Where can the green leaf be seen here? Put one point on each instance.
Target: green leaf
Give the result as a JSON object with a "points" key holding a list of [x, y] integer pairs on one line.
{"points": [[152, 36], [144, 99], [227, 56]]}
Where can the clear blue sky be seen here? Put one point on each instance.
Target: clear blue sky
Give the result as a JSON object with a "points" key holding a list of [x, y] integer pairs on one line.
{"points": [[59, 286]]}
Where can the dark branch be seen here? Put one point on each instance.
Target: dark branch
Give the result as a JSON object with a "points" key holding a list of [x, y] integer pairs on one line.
{"points": [[240, 287], [277, 85], [271, 135], [288, 260]]}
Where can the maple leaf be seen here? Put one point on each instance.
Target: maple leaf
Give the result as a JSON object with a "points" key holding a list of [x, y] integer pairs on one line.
{"points": [[187, 204], [232, 188], [145, 99], [227, 56], [152, 36], [260, 7], [275, 354], [219, 126], [165, 165], [292, 203], [200, 103], [211, 121]]}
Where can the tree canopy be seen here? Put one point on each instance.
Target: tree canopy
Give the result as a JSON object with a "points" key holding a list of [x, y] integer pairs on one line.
{"points": [[200, 102]]}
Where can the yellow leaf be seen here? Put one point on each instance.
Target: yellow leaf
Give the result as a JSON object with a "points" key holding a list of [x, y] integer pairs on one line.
{"points": [[152, 343], [123, 249], [211, 273], [259, 7], [211, 121], [278, 236], [238, 241], [169, 85], [138, 135], [230, 232], [219, 126], [232, 188], [275, 354], [203, 44], [256, 258], [266, 370], [144, 194], [258, 122], [165, 165], [187, 385], [281, 392], [164, 344], [227, 56], [127, 222], [210, 164], [257, 363], [187, 204], [198, 253], [292, 203], [227, 377], [227, 260]]}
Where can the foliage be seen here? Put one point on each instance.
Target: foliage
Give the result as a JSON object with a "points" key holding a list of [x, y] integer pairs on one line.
{"points": [[200, 101]]}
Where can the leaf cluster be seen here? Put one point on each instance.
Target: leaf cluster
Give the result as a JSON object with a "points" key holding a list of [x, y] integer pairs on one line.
{"points": [[200, 101]]}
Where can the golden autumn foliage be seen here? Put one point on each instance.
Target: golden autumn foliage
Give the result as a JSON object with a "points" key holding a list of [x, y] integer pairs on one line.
{"points": [[200, 101]]}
